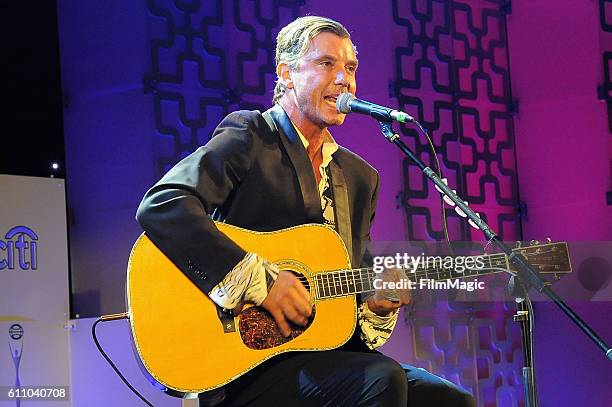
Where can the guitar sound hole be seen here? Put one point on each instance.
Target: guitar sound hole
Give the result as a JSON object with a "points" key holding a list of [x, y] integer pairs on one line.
{"points": [[258, 329]]}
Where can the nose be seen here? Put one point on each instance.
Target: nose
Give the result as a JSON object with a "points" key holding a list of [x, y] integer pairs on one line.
{"points": [[343, 79]]}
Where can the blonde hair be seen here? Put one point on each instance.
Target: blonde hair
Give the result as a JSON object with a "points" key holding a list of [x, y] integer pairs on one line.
{"points": [[294, 39]]}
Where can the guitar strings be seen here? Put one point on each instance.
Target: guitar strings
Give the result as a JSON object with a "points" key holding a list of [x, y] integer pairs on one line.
{"points": [[491, 258], [425, 272], [341, 278], [338, 277]]}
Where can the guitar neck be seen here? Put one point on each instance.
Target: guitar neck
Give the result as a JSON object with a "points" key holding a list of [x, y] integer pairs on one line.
{"points": [[339, 283]]}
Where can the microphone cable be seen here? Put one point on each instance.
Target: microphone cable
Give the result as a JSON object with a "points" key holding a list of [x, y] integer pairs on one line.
{"points": [[113, 317], [439, 173]]}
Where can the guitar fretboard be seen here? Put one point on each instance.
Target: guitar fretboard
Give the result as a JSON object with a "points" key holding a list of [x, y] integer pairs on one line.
{"points": [[339, 283]]}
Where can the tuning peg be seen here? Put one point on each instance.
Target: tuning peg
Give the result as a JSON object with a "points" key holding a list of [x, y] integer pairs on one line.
{"points": [[518, 244], [534, 243]]}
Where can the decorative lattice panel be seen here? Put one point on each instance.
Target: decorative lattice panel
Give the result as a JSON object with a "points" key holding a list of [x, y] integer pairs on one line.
{"points": [[452, 74], [605, 89], [209, 58]]}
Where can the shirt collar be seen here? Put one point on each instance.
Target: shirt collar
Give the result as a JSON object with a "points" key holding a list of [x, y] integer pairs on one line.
{"points": [[329, 145]]}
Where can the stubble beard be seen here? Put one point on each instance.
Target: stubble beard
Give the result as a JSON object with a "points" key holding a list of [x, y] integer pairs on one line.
{"points": [[324, 118]]}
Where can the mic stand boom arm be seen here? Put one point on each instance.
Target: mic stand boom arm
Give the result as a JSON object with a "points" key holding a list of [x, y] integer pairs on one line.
{"points": [[526, 272]]}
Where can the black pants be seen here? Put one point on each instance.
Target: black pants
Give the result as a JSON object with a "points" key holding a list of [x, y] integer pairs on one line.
{"points": [[340, 378]]}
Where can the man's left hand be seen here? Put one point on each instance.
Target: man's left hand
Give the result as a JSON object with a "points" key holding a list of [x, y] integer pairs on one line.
{"points": [[380, 303]]}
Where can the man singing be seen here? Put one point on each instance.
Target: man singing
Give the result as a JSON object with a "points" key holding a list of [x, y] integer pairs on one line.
{"points": [[275, 170]]}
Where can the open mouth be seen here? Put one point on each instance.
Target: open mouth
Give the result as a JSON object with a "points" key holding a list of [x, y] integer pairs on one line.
{"points": [[330, 99]]}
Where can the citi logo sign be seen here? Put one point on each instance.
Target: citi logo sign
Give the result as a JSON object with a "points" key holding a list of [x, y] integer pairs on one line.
{"points": [[18, 250]]}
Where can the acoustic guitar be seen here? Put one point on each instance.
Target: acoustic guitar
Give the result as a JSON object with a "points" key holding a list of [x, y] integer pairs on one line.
{"points": [[187, 344]]}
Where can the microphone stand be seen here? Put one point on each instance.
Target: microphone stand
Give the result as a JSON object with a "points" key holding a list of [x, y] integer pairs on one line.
{"points": [[526, 274], [525, 317]]}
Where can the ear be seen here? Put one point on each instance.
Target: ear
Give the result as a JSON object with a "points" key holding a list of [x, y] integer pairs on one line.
{"points": [[284, 74]]}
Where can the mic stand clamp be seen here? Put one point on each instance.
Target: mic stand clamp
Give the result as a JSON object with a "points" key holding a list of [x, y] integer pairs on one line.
{"points": [[525, 317]]}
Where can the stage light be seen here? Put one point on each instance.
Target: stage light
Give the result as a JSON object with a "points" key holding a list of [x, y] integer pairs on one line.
{"points": [[55, 166]]}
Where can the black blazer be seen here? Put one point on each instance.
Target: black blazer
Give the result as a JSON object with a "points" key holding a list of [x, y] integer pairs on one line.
{"points": [[253, 173]]}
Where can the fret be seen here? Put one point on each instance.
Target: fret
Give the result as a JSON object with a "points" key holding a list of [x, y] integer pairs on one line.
{"points": [[361, 289], [369, 280], [321, 278], [472, 273], [346, 282], [488, 263], [326, 285], [316, 286], [354, 284], [338, 283], [444, 275], [322, 283], [334, 283]]}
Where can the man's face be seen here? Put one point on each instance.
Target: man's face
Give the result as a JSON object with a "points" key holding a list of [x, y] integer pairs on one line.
{"points": [[324, 72]]}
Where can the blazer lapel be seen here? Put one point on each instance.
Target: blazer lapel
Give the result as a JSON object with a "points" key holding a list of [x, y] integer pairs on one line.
{"points": [[301, 163], [341, 205]]}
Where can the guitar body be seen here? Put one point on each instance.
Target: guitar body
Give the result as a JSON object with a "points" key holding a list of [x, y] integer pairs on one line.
{"points": [[177, 330]]}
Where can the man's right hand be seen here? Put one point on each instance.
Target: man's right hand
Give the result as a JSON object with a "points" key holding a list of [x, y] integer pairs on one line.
{"points": [[288, 301]]}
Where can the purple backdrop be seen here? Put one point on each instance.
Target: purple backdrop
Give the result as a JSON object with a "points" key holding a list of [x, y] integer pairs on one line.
{"points": [[147, 82], [563, 159]]}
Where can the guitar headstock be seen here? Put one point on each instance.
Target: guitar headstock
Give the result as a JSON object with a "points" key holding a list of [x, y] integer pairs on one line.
{"points": [[548, 258]]}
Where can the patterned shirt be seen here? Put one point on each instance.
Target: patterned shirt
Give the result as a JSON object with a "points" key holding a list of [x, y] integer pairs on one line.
{"points": [[250, 279]]}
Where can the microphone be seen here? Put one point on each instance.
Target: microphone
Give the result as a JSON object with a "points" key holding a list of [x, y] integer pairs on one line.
{"points": [[347, 103]]}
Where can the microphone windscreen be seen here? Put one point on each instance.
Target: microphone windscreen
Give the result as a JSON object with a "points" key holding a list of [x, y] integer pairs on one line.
{"points": [[343, 102]]}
